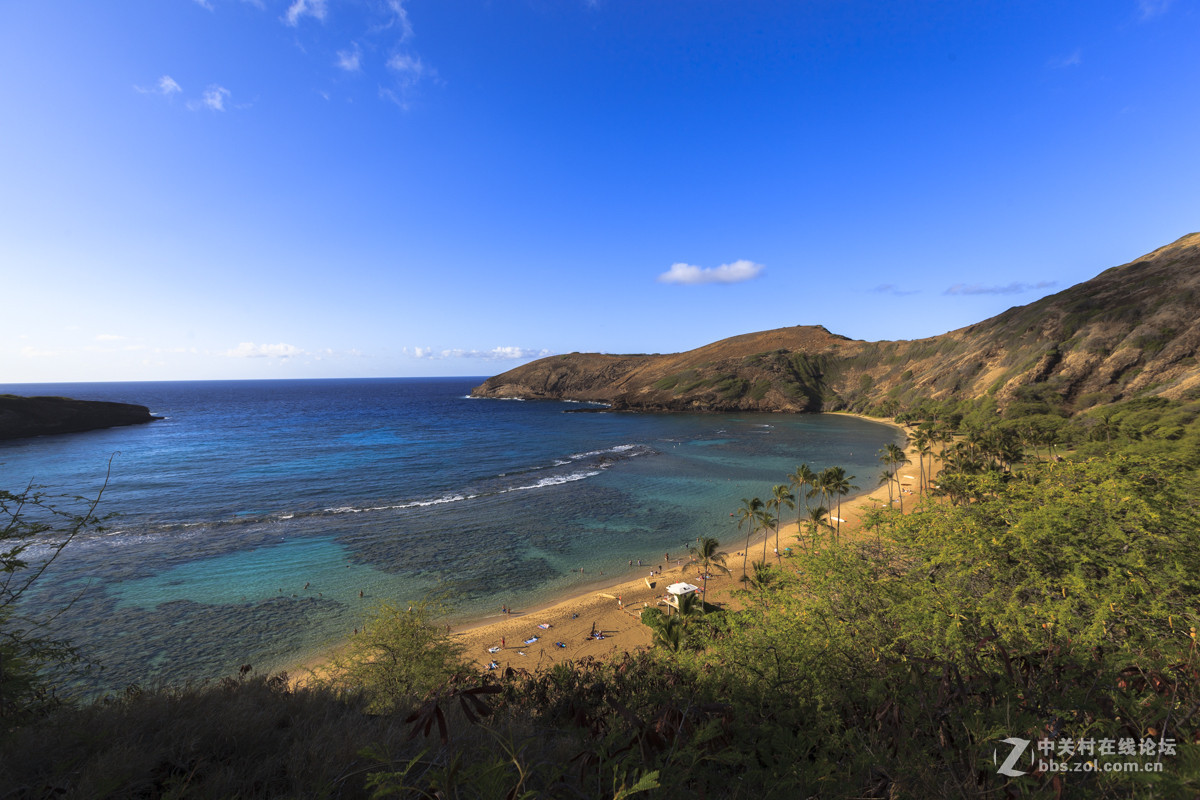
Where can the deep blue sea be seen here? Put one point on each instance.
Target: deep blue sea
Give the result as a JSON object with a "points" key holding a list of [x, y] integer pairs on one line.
{"points": [[248, 521]]}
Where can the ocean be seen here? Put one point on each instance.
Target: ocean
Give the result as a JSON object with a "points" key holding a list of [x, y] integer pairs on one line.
{"points": [[260, 522]]}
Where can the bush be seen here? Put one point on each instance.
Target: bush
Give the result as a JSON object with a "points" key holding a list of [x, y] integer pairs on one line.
{"points": [[398, 656]]}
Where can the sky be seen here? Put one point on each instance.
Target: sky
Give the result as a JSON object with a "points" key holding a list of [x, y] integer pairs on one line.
{"points": [[226, 189]]}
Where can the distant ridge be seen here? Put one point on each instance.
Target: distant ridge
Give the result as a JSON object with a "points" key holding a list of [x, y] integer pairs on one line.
{"points": [[40, 416], [1133, 330]]}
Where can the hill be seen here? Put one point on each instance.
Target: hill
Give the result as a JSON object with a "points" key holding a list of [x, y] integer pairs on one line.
{"points": [[38, 416], [1131, 331]]}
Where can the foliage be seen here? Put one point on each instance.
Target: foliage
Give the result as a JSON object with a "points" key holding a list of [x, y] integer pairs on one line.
{"points": [[28, 518], [398, 656]]}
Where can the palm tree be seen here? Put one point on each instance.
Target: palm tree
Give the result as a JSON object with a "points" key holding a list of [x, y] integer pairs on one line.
{"points": [[921, 442], [765, 522], [886, 477], [816, 520], [839, 484], [670, 634], [764, 576], [750, 515], [894, 455], [709, 555], [821, 486], [688, 604], [803, 476], [672, 631], [780, 496]]}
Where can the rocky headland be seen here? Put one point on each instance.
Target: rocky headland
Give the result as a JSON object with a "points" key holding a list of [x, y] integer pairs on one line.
{"points": [[21, 417]]}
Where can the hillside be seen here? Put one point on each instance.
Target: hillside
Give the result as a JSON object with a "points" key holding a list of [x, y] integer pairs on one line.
{"points": [[1133, 330], [39, 416]]}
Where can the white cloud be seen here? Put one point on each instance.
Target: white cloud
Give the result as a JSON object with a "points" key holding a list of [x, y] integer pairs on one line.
{"points": [[495, 354], [350, 60], [305, 8], [251, 350], [499, 353], [1011, 288], [893, 289], [1153, 8], [736, 272], [410, 69], [204, 4], [214, 97], [400, 18], [1073, 60], [166, 86]]}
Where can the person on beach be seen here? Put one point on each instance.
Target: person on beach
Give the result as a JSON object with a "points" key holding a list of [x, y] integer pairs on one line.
{"points": [[501, 642]]}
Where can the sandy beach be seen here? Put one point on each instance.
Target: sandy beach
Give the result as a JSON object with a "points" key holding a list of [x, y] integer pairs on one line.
{"points": [[530, 638]]}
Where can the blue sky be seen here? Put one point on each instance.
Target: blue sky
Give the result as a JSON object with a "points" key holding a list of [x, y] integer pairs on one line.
{"points": [[197, 189]]}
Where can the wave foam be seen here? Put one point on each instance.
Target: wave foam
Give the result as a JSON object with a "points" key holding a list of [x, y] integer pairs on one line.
{"points": [[555, 480]]}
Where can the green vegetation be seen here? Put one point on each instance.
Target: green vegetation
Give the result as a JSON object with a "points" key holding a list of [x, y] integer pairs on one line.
{"points": [[397, 656], [1045, 586], [27, 518]]}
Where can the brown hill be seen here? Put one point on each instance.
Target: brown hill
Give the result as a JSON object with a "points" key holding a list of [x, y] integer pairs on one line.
{"points": [[1132, 330]]}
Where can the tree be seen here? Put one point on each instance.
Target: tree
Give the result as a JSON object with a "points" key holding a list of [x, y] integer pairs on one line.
{"points": [[780, 496], [886, 477], [803, 476], [821, 487], [764, 578], [399, 656], [922, 442], [816, 521], [750, 515], [668, 633], [839, 483], [894, 455], [709, 555], [27, 518]]}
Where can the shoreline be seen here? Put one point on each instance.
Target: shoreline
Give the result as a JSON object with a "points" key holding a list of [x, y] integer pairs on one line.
{"points": [[611, 607]]}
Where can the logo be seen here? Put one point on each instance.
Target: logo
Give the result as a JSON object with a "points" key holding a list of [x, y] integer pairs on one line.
{"points": [[1085, 754], [1018, 749]]}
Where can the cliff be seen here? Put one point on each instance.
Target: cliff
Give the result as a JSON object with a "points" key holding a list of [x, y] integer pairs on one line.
{"points": [[1131, 331], [40, 416]]}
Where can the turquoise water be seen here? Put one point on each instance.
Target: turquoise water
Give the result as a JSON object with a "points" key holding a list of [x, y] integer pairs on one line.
{"points": [[261, 521]]}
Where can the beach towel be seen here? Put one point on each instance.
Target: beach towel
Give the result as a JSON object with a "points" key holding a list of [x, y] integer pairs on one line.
{"points": [[544, 625], [531, 640], [493, 665], [493, 649]]}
